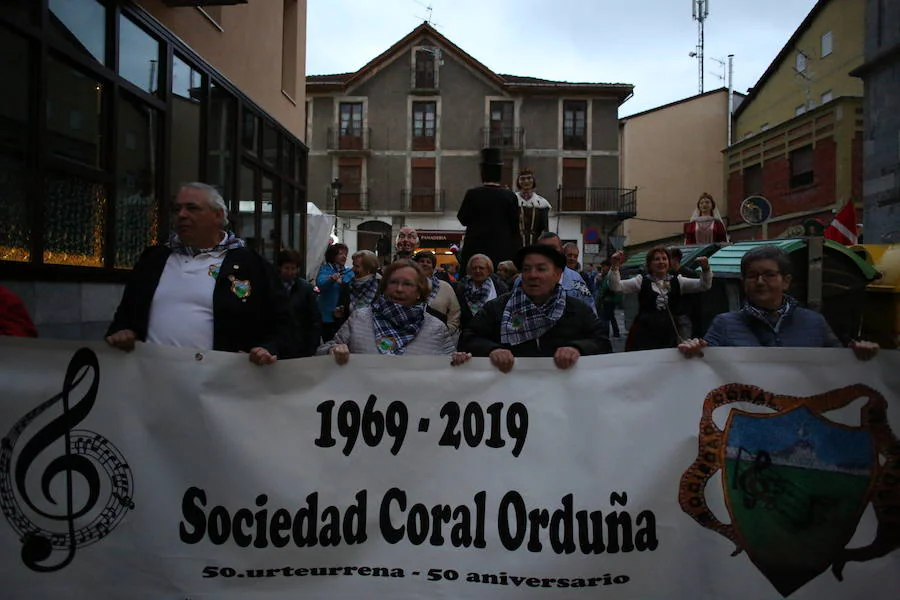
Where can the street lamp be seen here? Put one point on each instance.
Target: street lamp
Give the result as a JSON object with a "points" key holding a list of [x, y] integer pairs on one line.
{"points": [[336, 186]]}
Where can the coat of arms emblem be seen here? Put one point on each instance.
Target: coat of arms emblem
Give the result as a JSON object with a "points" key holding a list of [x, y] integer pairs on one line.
{"points": [[795, 482]]}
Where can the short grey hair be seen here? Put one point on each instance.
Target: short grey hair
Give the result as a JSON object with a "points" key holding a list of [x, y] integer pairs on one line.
{"points": [[213, 197], [487, 260]]}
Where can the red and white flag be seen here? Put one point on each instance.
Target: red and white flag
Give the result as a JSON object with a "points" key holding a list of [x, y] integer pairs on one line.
{"points": [[843, 227]]}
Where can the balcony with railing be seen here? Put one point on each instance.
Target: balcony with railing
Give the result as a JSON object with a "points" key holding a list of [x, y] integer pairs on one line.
{"points": [[353, 140], [422, 200], [511, 139], [597, 201], [346, 202]]}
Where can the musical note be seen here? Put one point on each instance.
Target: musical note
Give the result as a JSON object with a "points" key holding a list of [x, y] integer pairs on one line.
{"points": [[86, 454], [761, 486]]}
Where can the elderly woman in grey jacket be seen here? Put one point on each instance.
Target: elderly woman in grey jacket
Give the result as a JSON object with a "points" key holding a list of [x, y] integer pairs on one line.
{"points": [[397, 322]]}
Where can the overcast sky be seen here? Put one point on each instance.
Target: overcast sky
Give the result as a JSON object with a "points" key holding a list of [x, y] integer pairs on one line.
{"points": [[641, 42]]}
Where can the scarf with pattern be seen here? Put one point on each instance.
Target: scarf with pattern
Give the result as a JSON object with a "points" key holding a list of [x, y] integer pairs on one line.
{"points": [[435, 287], [476, 295], [362, 291], [231, 242], [395, 325], [523, 320], [773, 318]]}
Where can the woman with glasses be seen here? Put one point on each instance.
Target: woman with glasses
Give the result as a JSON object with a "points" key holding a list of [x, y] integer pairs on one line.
{"points": [[770, 317], [442, 298], [396, 323], [659, 298]]}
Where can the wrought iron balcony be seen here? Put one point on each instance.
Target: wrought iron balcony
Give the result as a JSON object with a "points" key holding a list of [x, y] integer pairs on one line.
{"points": [[603, 201], [346, 201], [422, 200], [511, 139], [349, 140]]}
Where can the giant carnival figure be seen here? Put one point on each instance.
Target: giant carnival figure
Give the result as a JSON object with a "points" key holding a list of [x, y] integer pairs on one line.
{"points": [[490, 214], [534, 210], [706, 225]]}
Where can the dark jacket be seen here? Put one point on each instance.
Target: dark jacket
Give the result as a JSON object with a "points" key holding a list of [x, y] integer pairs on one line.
{"points": [[801, 328], [465, 313], [578, 327], [306, 319], [239, 324], [490, 215]]}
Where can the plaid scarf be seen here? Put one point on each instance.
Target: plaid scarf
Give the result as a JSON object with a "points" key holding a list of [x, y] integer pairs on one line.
{"points": [[362, 291], [231, 242], [476, 295], [395, 325], [523, 320], [773, 318], [435, 287]]}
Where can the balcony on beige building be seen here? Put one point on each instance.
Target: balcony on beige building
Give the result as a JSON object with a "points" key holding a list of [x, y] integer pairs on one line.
{"points": [[597, 201], [346, 202], [422, 200], [349, 140], [510, 139]]}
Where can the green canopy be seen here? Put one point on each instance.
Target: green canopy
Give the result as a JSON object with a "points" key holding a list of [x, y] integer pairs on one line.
{"points": [[727, 261], [688, 253]]}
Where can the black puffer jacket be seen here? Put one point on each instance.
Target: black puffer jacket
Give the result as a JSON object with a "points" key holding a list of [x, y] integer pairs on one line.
{"points": [[578, 328]]}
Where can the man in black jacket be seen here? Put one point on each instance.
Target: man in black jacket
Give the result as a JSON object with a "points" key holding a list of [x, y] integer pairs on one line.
{"points": [[204, 289], [306, 320], [535, 319]]}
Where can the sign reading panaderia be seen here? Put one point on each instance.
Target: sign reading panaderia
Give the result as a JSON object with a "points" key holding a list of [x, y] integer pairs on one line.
{"points": [[133, 475]]}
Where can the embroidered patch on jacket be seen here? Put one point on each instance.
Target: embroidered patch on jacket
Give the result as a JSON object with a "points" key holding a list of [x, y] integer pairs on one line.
{"points": [[240, 287], [214, 270]]}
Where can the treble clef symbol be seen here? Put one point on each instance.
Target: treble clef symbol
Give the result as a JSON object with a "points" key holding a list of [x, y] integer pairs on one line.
{"points": [[80, 453]]}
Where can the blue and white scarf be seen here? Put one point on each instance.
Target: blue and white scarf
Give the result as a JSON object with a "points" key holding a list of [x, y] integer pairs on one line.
{"points": [[476, 295], [773, 318], [435, 287], [523, 320], [362, 291], [231, 242], [395, 325]]}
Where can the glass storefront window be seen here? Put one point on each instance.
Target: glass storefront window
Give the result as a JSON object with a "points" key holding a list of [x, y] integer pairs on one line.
{"points": [[250, 132], [138, 56], [15, 62], [137, 204], [186, 82], [74, 114], [15, 234], [245, 219], [84, 23], [74, 214], [267, 206], [186, 120], [220, 140], [270, 145], [288, 200]]}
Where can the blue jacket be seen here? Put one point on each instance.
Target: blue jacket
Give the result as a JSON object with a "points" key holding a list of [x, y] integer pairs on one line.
{"points": [[329, 291], [801, 328]]}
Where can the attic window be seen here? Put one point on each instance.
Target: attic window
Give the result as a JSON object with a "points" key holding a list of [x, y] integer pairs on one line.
{"points": [[425, 69], [801, 62]]}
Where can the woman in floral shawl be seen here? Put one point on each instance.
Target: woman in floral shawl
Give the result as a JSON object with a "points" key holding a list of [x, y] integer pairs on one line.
{"points": [[396, 323]]}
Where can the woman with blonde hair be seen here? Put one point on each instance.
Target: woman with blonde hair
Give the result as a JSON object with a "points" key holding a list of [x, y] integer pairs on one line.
{"points": [[396, 323]]}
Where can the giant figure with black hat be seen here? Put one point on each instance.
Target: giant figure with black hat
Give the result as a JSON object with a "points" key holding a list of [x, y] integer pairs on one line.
{"points": [[490, 214]]}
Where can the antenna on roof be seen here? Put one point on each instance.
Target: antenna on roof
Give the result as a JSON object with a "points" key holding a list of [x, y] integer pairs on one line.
{"points": [[428, 10], [699, 12]]}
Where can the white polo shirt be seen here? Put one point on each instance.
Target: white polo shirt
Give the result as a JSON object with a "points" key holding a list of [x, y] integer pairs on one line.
{"points": [[181, 313]]}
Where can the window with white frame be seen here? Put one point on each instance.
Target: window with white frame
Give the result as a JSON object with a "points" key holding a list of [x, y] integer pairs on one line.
{"points": [[827, 42], [801, 62]]}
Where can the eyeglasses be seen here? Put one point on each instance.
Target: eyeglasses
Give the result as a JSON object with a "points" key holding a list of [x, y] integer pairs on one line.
{"points": [[767, 275]]}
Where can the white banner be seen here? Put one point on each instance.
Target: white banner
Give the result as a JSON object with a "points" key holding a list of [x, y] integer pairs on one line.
{"points": [[167, 474]]}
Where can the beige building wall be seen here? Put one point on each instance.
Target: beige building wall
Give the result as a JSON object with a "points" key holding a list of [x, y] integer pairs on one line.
{"points": [[832, 45], [673, 154], [259, 46]]}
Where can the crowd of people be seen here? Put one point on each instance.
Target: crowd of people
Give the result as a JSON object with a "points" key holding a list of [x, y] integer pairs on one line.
{"points": [[205, 289]]}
